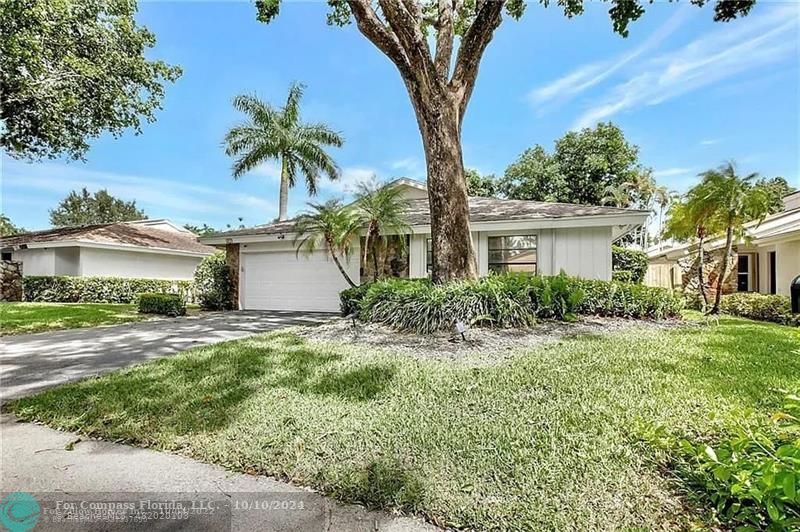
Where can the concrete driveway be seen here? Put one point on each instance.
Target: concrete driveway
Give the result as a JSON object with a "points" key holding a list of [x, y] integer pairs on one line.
{"points": [[32, 362]]}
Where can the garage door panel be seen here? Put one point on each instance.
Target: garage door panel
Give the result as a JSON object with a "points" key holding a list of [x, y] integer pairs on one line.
{"points": [[282, 280]]}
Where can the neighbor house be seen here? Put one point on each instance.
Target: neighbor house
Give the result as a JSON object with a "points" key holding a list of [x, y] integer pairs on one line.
{"points": [[508, 235], [766, 261], [150, 249]]}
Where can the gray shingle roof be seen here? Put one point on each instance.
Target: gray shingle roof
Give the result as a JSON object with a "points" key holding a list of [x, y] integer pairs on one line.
{"points": [[117, 233], [480, 210]]}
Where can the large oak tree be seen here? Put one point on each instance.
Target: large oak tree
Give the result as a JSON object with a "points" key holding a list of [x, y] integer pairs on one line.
{"points": [[440, 78]]}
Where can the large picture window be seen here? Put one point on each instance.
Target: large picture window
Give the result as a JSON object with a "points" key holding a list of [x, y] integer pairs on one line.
{"points": [[512, 253]]}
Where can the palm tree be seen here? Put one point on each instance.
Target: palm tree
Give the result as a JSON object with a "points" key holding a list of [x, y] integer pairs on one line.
{"points": [[331, 225], [662, 197], [617, 195], [738, 200], [692, 218], [279, 134], [383, 211]]}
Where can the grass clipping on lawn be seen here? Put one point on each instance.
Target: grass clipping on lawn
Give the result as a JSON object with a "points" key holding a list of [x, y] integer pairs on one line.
{"points": [[544, 440]]}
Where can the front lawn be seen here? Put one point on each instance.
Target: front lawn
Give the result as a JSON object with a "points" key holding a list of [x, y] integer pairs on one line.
{"points": [[24, 318], [548, 439]]}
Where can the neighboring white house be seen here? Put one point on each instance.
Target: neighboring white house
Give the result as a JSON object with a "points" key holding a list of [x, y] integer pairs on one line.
{"points": [[766, 262], [508, 235], [150, 249]]}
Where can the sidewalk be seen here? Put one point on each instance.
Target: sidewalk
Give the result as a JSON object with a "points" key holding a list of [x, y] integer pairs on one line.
{"points": [[35, 459]]}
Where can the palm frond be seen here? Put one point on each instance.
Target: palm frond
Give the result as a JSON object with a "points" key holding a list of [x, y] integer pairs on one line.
{"points": [[291, 111], [320, 134]]}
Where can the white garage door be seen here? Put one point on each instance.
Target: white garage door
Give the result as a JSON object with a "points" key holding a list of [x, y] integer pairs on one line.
{"points": [[279, 280]]}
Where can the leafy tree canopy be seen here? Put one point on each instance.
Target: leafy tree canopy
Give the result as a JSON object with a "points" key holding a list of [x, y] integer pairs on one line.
{"points": [[72, 70], [480, 185], [7, 227], [778, 187], [585, 167], [200, 230], [81, 208]]}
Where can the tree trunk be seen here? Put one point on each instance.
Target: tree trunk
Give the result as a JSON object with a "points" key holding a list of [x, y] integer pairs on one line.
{"points": [[375, 246], [453, 254], [283, 198], [339, 265], [723, 271], [701, 278]]}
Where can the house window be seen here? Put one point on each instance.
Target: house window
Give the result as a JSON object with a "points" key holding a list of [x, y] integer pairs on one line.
{"points": [[429, 255], [743, 273], [512, 253], [6, 255]]}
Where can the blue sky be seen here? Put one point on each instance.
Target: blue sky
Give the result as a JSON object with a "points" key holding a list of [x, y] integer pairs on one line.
{"points": [[690, 92]]}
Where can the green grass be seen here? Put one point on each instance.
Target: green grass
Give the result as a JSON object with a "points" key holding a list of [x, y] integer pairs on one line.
{"points": [[547, 440], [24, 318]]}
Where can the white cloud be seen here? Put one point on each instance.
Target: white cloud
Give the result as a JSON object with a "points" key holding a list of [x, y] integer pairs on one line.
{"points": [[40, 183], [587, 76], [349, 179], [670, 172], [409, 167], [710, 142], [731, 50]]}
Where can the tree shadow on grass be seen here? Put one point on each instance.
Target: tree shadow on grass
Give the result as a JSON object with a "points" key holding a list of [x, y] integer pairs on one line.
{"points": [[201, 390]]}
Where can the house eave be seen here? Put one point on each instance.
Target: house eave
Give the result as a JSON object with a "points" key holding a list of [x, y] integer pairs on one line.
{"points": [[116, 247]]}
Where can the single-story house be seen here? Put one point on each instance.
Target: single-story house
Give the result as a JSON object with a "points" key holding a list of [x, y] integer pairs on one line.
{"points": [[508, 235], [149, 249], [766, 262]]}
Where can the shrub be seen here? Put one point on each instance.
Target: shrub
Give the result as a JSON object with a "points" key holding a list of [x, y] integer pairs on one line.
{"points": [[625, 300], [508, 300], [750, 479], [212, 280], [165, 304], [350, 299], [628, 265], [774, 308], [65, 289]]}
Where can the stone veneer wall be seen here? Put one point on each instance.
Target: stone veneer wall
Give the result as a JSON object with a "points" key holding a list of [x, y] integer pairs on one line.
{"points": [[712, 262], [10, 280], [232, 260]]}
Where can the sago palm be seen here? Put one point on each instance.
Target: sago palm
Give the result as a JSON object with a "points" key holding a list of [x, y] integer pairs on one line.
{"points": [[737, 200], [383, 212], [279, 134], [331, 226]]}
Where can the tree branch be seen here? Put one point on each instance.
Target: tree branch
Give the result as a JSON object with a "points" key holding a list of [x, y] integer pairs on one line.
{"points": [[371, 26], [480, 33], [444, 39], [407, 28]]}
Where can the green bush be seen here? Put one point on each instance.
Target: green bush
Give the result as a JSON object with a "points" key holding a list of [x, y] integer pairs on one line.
{"points": [[628, 265], [774, 308], [350, 299], [751, 479], [65, 289], [165, 304], [212, 280], [508, 300]]}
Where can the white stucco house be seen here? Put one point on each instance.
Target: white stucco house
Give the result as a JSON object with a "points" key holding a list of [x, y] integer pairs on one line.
{"points": [[149, 249], [766, 262], [508, 235]]}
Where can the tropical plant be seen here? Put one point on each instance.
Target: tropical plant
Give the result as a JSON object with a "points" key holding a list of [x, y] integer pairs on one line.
{"points": [[662, 197], [332, 226], [213, 283], [279, 134], [736, 200], [617, 195], [691, 218], [382, 210]]}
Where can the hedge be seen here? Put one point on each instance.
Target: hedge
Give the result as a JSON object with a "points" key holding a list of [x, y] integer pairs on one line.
{"points": [[65, 289], [212, 281], [508, 300], [628, 265], [166, 304], [774, 308]]}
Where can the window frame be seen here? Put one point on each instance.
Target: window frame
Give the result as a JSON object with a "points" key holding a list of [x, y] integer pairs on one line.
{"points": [[489, 250]]}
